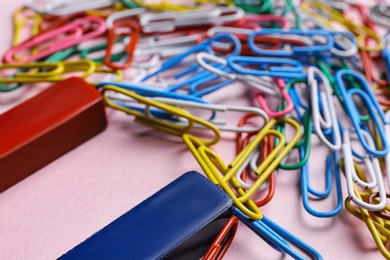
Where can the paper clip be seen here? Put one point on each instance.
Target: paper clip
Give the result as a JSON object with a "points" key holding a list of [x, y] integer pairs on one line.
{"points": [[165, 5], [148, 91], [361, 32], [208, 160], [129, 4], [367, 61], [23, 76], [218, 122], [131, 30], [221, 69], [377, 228], [315, 49], [387, 157], [278, 237], [48, 71], [285, 95], [20, 18], [222, 242], [383, 214], [263, 6], [338, 4], [188, 65], [264, 169], [304, 143], [272, 67], [125, 14], [188, 6], [147, 119], [331, 172], [353, 174], [96, 26], [329, 120], [66, 7], [171, 21], [380, 14], [241, 174], [372, 105]]}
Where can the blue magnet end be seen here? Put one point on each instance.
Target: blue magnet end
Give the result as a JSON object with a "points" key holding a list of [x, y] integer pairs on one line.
{"points": [[178, 222]]}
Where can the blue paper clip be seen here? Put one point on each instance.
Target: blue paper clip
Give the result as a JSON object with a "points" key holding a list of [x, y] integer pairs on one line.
{"points": [[205, 46], [332, 168], [311, 50], [272, 67], [372, 106], [197, 88], [277, 237]]}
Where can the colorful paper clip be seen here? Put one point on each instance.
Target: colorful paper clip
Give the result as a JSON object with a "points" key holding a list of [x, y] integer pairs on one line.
{"points": [[316, 48], [272, 67], [278, 237], [96, 26], [328, 14], [50, 72], [332, 174], [372, 105], [171, 21], [203, 155], [146, 118], [21, 17], [315, 79], [223, 241], [355, 176], [218, 66], [380, 14], [60, 8], [378, 228], [131, 30], [220, 123]]}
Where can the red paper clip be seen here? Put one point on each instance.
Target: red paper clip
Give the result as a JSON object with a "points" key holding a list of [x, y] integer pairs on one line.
{"points": [[222, 242], [131, 29]]}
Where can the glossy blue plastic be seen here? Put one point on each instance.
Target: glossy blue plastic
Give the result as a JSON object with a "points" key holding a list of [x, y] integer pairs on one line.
{"points": [[180, 221]]}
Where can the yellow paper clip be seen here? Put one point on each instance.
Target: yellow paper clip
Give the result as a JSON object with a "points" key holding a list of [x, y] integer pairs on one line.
{"points": [[20, 18], [361, 32], [31, 72], [378, 228], [47, 71], [147, 119], [110, 75], [213, 165], [197, 147], [165, 5]]}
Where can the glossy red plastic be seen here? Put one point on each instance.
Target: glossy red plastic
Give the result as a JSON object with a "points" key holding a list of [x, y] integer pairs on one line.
{"points": [[47, 126]]}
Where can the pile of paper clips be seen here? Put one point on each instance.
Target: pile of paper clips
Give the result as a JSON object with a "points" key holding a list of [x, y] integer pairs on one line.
{"points": [[161, 60]]}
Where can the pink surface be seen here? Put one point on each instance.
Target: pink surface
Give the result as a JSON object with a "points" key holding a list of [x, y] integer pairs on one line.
{"points": [[64, 203]]}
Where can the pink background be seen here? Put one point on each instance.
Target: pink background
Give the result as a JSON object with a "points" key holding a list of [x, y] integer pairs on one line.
{"points": [[67, 201]]}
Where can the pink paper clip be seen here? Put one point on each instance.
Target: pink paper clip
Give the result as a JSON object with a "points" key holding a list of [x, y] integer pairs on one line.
{"points": [[263, 104], [79, 30]]}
